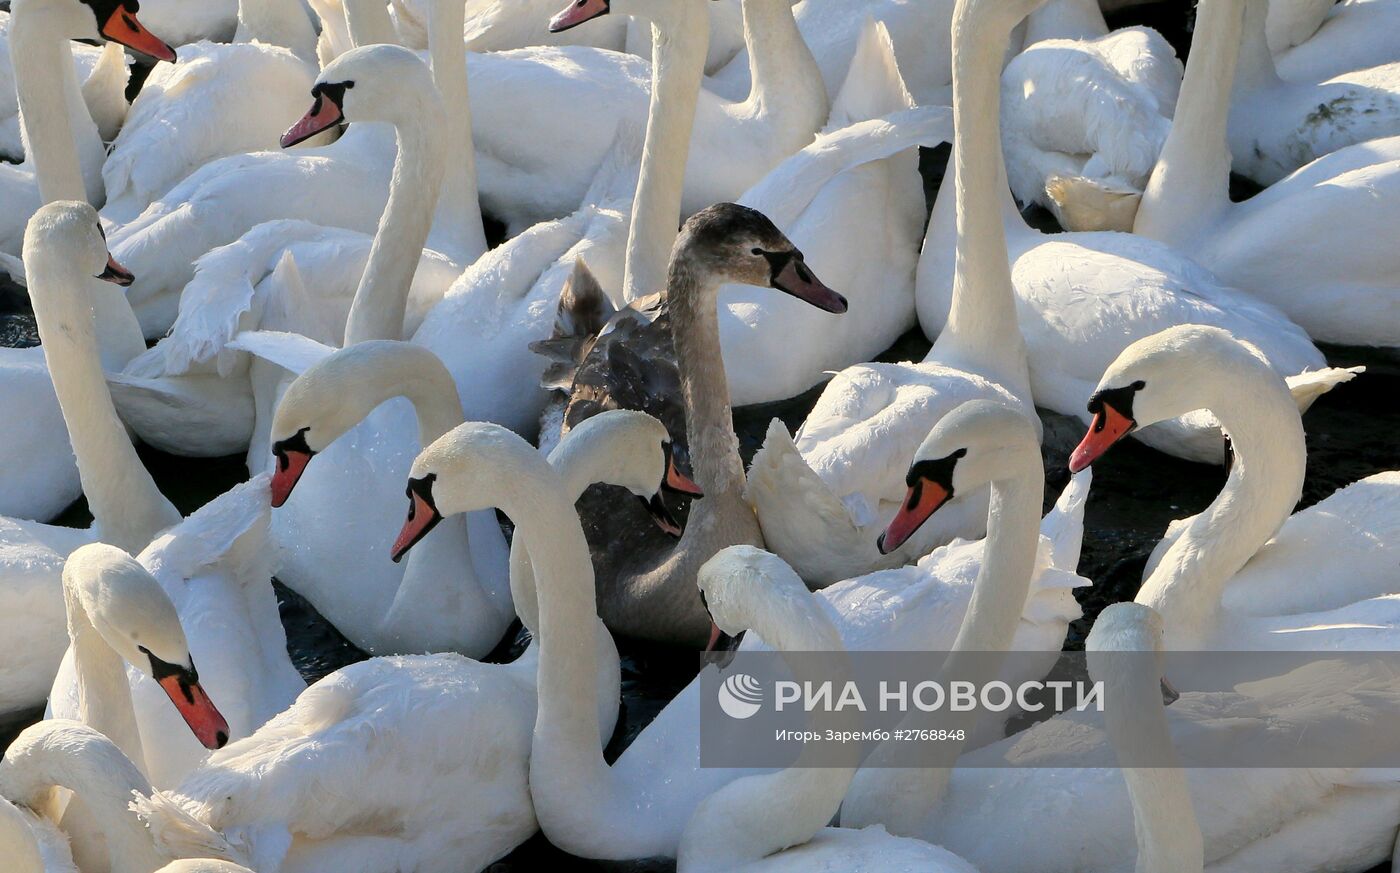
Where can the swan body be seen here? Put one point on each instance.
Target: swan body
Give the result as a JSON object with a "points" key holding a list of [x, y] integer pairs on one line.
{"points": [[1192, 571], [32, 844], [460, 729], [1277, 125], [103, 75], [1352, 36], [1269, 244], [182, 23], [1084, 121], [530, 172]]}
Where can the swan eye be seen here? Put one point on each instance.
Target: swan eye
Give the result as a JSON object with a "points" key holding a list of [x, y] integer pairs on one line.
{"points": [[757, 251]]}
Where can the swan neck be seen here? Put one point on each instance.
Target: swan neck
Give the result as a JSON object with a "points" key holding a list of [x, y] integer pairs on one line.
{"points": [[128, 508], [369, 23], [678, 56], [1189, 186], [377, 311], [1256, 69], [104, 694], [1168, 833], [982, 333], [1066, 19], [99, 774], [1260, 493], [783, 73], [714, 447], [44, 79], [462, 236]]}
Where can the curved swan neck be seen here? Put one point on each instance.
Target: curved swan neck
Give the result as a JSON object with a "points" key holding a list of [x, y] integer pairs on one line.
{"points": [[1256, 69], [382, 296], [369, 23], [1168, 834], [982, 333], [785, 77], [104, 696], [1189, 186], [62, 754], [1066, 19], [63, 146], [678, 55], [462, 236], [128, 508], [1264, 485]]}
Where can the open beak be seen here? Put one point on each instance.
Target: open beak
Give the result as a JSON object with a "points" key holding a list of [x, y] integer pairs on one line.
{"points": [[577, 13], [679, 482], [291, 463], [123, 27], [196, 709], [423, 516], [1109, 426], [661, 515], [796, 279], [324, 114], [116, 273], [922, 501]]}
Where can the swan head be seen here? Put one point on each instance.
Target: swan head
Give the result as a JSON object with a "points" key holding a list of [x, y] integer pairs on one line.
{"points": [[980, 442], [113, 20], [1161, 377], [338, 392], [134, 616], [581, 11], [66, 235], [478, 465], [635, 453], [371, 83], [732, 243], [745, 587]]}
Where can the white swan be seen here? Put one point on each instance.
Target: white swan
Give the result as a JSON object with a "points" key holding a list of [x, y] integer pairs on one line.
{"points": [[102, 72], [638, 807], [538, 167], [32, 844], [1277, 125], [184, 23], [1082, 296], [1354, 35], [218, 99], [822, 499], [65, 152], [452, 594], [776, 822], [1084, 115], [1272, 245], [313, 776], [1203, 579]]}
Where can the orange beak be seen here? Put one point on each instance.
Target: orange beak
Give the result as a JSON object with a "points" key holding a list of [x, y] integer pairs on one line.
{"points": [[577, 13], [1109, 426], [679, 482], [123, 27], [422, 518], [116, 273], [291, 463], [197, 710], [922, 501], [325, 113], [715, 634]]}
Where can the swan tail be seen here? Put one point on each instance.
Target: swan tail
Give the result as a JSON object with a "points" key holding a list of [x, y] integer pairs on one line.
{"points": [[179, 833], [1307, 386], [873, 86], [1063, 526], [584, 310], [803, 521], [104, 92], [1083, 204]]}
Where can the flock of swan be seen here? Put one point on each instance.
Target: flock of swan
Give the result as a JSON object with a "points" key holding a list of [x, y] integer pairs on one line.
{"points": [[215, 269]]}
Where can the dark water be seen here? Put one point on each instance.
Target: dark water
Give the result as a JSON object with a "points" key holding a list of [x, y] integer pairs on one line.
{"points": [[1136, 493]]}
